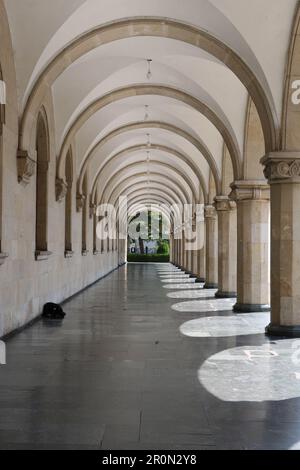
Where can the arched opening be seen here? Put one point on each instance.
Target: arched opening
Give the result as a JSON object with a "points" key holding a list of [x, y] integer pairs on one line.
{"points": [[42, 149], [68, 206], [160, 27], [95, 221], [149, 233], [2, 122], [84, 218]]}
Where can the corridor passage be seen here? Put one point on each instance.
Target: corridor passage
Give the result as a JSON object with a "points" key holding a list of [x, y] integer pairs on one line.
{"points": [[144, 360]]}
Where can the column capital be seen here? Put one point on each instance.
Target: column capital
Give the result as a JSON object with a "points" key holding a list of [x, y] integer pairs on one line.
{"points": [[61, 188], [26, 165], [282, 167], [223, 203], [210, 212], [247, 190], [80, 199]]}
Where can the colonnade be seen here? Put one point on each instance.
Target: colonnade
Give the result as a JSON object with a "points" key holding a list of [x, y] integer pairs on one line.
{"points": [[251, 246]]}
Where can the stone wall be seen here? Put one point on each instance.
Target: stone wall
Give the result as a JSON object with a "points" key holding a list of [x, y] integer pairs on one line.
{"points": [[26, 284]]}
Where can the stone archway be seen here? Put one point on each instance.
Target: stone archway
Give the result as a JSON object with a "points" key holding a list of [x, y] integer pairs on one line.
{"points": [[158, 27], [197, 143], [159, 90], [163, 165], [162, 148]]}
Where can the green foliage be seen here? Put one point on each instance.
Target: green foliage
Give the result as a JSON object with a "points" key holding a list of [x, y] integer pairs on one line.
{"points": [[162, 247], [137, 258]]}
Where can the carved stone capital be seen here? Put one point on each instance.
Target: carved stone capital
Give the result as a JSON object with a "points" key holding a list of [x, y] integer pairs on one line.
{"points": [[223, 204], [282, 167], [248, 190], [80, 198], [61, 188], [26, 167], [210, 212]]}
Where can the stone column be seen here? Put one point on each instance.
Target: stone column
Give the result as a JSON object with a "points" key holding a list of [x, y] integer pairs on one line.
{"points": [[175, 250], [227, 247], [201, 257], [189, 261], [194, 263], [201, 265], [283, 172], [211, 281], [195, 253], [182, 252], [171, 247], [253, 212], [178, 262], [177, 256]]}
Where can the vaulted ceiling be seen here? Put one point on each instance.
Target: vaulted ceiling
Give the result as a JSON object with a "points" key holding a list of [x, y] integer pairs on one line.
{"points": [[165, 133]]}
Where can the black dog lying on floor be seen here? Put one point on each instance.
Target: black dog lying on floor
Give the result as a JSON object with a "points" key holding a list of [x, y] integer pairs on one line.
{"points": [[53, 311]]}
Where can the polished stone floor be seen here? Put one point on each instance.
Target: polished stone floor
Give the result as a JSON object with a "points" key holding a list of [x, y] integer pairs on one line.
{"points": [[147, 359]]}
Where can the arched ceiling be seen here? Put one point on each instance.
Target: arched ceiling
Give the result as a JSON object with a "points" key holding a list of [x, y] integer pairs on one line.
{"points": [[207, 57]]}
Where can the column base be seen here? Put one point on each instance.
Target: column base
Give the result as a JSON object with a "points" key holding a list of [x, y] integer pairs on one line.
{"points": [[288, 331], [209, 285], [248, 308], [225, 295], [200, 280]]}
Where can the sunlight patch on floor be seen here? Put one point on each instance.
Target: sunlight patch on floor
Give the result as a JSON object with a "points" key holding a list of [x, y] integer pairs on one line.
{"points": [[254, 373], [225, 326]]}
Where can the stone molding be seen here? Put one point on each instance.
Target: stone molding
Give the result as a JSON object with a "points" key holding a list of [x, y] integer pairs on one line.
{"points": [[224, 204], [42, 255], [248, 190], [282, 167], [210, 212], [80, 199], [61, 188], [26, 167]]}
